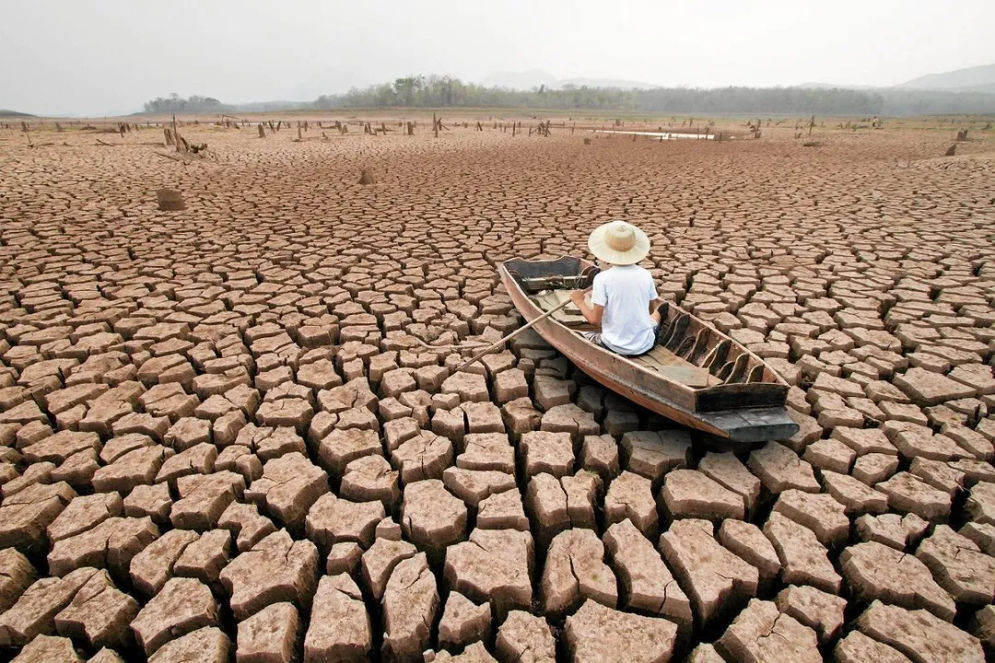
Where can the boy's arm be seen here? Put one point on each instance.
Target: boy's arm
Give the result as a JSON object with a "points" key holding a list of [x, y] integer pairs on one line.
{"points": [[592, 313], [655, 300]]}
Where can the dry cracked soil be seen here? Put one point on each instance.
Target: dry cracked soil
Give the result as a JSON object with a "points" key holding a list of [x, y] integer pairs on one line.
{"points": [[223, 437]]}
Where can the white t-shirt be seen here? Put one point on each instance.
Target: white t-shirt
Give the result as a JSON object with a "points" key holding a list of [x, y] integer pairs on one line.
{"points": [[625, 291]]}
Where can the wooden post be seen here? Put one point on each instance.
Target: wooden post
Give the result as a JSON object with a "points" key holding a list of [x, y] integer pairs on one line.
{"points": [[176, 136], [512, 129], [435, 126]]}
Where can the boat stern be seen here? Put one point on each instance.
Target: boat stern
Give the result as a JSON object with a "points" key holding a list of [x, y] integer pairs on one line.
{"points": [[750, 425]]}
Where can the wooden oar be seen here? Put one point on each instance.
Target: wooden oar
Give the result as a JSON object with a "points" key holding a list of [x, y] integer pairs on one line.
{"points": [[513, 334]]}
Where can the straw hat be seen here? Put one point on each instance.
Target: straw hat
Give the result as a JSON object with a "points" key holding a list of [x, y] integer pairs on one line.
{"points": [[619, 243]]}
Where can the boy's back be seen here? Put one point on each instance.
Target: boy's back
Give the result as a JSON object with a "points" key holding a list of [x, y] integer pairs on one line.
{"points": [[625, 292]]}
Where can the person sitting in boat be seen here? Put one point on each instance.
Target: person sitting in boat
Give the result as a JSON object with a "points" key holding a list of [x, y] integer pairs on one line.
{"points": [[624, 301]]}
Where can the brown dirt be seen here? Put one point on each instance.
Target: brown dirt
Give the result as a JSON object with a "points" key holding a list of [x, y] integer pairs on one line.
{"points": [[248, 366]]}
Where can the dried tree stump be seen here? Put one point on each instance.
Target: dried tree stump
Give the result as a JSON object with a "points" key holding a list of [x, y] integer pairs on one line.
{"points": [[170, 200]]}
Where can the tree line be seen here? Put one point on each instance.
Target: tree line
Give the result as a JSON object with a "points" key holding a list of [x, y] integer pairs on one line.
{"points": [[174, 103], [442, 91], [447, 91], [436, 91]]}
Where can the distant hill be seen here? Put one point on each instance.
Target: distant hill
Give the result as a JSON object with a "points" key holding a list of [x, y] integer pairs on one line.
{"points": [[533, 78], [971, 79], [832, 86], [9, 113], [519, 80], [615, 83]]}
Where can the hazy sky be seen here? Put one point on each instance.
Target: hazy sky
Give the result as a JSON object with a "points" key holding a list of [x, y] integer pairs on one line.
{"points": [[110, 56]]}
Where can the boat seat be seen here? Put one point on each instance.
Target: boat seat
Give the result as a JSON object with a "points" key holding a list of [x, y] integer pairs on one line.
{"points": [[676, 368], [569, 315], [690, 376]]}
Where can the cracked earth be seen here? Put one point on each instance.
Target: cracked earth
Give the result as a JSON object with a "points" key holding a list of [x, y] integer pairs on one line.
{"points": [[222, 435]]}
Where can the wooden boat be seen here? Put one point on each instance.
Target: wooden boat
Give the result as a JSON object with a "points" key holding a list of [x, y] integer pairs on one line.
{"points": [[697, 376]]}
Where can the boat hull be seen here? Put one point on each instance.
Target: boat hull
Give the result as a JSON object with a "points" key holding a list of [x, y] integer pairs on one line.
{"points": [[651, 390]]}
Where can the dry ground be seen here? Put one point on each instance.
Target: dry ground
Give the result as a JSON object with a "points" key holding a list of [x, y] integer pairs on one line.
{"points": [[219, 438]]}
